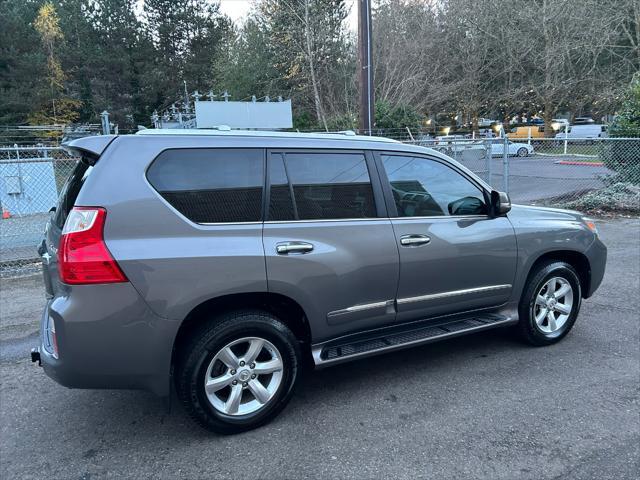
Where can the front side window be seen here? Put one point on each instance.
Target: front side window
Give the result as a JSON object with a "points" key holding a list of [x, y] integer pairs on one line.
{"points": [[426, 188], [211, 185], [319, 185]]}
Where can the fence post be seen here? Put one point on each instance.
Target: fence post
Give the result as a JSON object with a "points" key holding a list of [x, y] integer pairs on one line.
{"points": [[566, 135], [505, 165], [410, 134], [488, 158], [106, 128]]}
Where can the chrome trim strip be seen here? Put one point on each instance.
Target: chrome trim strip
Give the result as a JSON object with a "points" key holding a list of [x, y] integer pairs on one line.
{"points": [[359, 308], [319, 362], [452, 293], [442, 217], [210, 224]]}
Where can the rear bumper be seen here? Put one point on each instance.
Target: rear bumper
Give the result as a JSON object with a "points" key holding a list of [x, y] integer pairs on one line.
{"points": [[597, 256], [107, 337]]}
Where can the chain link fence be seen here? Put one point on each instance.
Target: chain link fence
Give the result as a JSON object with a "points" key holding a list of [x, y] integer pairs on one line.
{"points": [[591, 175], [31, 178], [597, 175]]}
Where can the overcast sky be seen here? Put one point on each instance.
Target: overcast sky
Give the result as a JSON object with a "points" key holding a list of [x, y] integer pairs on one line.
{"points": [[238, 10]]}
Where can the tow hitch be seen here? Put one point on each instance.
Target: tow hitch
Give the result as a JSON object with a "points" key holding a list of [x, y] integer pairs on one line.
{"points": [[35, 356]]}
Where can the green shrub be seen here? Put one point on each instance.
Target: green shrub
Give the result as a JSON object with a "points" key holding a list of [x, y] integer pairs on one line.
{"points": [[619, 197], [623, 156]]}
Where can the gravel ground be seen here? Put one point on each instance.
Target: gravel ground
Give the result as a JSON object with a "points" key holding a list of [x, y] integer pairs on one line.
{"points": [[482, 406]]}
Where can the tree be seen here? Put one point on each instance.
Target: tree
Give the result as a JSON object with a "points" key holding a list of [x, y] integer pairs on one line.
{"points": [[623, 156], [189, 38], [310, 51], [395, 119], [60, 109], [22, 61], [408, 46]]}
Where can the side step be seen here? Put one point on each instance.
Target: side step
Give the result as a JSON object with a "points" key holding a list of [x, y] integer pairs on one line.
{"points": [[402, 336]]}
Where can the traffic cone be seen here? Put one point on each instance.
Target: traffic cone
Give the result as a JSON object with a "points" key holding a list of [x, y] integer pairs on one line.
{"points": [[6, 214]]}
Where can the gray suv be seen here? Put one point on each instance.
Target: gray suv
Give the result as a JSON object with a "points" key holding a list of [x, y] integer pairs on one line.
{"points": [[221, 262]]}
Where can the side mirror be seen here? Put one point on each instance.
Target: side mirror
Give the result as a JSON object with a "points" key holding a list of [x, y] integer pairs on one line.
{"points": [[500, 203]]}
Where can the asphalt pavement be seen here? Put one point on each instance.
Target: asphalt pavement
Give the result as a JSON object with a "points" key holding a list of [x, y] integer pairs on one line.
{"points": [[481, 406]]}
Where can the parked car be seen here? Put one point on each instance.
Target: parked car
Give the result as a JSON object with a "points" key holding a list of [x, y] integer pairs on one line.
{"points": [[485, 122], [583, 121], [453, 144], [560, 123], [586, 131], [514, 148], [526, 132], [218, 261]]}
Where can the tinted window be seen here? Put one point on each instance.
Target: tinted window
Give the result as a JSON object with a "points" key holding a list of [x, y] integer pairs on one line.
{"points": [[324, 185], [426, 188], [280, 199], [70, 192], [211, 185]]}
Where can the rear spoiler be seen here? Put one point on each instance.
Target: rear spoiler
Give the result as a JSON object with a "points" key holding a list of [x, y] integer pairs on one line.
{"points": [[90, 148]]}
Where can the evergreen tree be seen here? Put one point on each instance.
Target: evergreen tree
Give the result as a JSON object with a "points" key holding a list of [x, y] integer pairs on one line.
{"points": [[22, 61], [57, 107]]}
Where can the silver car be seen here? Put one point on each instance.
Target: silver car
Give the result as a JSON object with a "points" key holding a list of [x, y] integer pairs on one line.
{"points": [[219, 262]]}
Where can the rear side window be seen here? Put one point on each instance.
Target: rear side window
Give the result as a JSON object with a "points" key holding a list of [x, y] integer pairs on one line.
{"points": [[70, 191], [318, 186], [211, 185]]}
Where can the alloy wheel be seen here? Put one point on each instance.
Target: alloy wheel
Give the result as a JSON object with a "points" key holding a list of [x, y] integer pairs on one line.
{"points": [[243, 376], [553, 305]]}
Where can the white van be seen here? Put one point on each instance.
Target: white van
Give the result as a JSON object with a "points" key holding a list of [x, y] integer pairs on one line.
{"points": [[589, 131]]}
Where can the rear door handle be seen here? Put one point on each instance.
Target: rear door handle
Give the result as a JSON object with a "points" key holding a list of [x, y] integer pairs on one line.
{"points": [[414, 240], [285, 248]]}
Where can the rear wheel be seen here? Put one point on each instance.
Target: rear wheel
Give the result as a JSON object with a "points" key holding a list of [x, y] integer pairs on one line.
{"points": [[238, 372], [550, 303]]}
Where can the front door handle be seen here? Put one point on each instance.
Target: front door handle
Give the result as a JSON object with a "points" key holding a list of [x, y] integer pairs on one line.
{"points": [[284, 248], [414, 240]]}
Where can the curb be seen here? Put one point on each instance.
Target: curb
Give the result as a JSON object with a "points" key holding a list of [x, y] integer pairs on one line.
{"points": [[570, 162]]}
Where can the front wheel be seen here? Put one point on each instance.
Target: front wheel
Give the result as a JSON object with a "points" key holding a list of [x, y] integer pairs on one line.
{"points": [[238, 371], [523, 152], [550, 303]]}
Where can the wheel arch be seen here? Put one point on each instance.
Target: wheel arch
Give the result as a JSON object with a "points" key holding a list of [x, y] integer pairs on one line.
{"points": [[283, 307], [577, 260]]}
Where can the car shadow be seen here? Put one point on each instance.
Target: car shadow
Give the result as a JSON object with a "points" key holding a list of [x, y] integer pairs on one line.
{"points": [[142, 414]]}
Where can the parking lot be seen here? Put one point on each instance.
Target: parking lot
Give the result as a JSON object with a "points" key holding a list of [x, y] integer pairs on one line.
{"points": [[478, 406]]}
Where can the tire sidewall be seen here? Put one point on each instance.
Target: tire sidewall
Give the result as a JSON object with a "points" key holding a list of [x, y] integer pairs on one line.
{"points": [[521, 150], [198, 360], [527, 305]]}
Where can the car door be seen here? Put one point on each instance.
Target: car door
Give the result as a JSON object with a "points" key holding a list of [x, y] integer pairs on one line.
{"points": [[328, 242], [454, 257]]}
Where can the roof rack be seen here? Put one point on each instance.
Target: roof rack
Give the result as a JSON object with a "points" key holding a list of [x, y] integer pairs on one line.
{"points": [[224, 130]]}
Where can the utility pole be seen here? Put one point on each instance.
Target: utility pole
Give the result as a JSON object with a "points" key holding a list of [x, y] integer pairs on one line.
{"points": [[367, 105]]}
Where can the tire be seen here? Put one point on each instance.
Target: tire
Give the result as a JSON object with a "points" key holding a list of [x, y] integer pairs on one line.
{"points": [[523, 152], [200, 360], [535, 326]]}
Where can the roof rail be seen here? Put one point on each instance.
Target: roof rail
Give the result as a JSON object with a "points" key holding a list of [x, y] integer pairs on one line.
{"points": [[225, 130]]}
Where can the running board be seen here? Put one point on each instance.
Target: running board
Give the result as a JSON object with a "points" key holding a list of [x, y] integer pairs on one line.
{"points": [[402, 336]]}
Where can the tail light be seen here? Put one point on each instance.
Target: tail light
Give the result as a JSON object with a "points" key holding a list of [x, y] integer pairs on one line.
{"points": [[83, 256]]}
